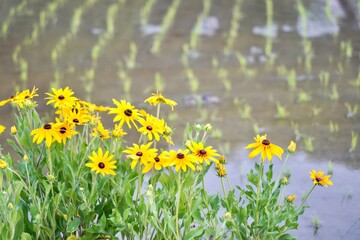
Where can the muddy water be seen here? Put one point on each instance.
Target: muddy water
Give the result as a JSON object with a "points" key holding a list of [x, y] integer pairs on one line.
{"points": [[265, 46]]}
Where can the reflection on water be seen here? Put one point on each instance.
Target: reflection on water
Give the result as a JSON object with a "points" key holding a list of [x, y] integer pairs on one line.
{"points": [[287, 68]]}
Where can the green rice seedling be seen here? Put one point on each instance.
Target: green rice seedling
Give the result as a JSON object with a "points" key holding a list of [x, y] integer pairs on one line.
{"points": [[296, 131], [256, 128], [346, 49], [194, 35], [324, 78], [303, 15], [145, 12], [309, 146], [330, 168], [351, 110], [356, 82], [354, 141], [309, 54], [333, 127], [316, 111], [282, 113], [243, 62], [282, 70], [125, 80], [291, 80], [340, 67], [159, 82], [13, 12], [214, 62], [245, 111], [303, 97], [316, 224], [334, 95], [23, 71], [165, 26], [328, 11], [193, 81], [131, 59], [234, 26]]}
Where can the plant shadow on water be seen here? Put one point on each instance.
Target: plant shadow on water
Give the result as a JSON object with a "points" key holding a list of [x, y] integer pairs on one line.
{"points": [[269, 62]]}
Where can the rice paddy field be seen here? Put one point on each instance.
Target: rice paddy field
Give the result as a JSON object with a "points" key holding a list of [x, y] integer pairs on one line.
{"points": [[286, 68]]}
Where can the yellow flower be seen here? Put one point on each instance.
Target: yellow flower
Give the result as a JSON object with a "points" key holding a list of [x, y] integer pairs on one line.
{"points": [[158, 162], [47, 132], [75, 114], [118, 132], [61, 97], [291, 198], [181, 159], [151, 127], [2, 128], [292, 147], [65, 130], [3, 164], [102, 163], [157, 98], [20, 97], [203, 153], [125, 113], [13, 130], [72, 237], [142, 153], [265, 147], [319, 178], [166, 134], [101, 131]]}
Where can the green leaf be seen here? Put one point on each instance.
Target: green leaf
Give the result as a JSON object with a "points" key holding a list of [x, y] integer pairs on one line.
{"points": [[73, 225], [197, 232], [25, 236]]}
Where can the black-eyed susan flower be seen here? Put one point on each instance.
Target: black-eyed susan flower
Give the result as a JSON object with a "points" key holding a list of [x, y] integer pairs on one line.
{"points": [[125, 113], [141, 153], [75, 114], [181, 159], [265, 147], [319, 178], [66, 130], [20, 97], [102, 163], [158, 162], [166, 133], [47, 132], [157, 98], [3, 164], [2, 128], [151, 126], [203, 153], [100, 131], [61, 97]]}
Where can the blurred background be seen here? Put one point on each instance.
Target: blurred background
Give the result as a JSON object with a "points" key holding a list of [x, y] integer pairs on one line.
{"points": [[286, 68]]}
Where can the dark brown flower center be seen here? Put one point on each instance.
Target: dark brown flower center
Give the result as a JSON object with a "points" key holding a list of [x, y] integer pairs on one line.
{"points": [[63, 130], [75, 110], [149, 128], [180, 155], [266, 142], [128, 112], [318, 179], [75, 120], [157, 159], [202, 152], [101, 165], [139, 154], [27, 96], [61, 97], [47, 126]]}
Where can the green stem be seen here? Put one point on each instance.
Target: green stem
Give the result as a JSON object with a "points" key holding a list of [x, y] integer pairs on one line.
{"points": [[178, 205], [139, 182], [223, 186], [258, 190], [306, 197], [48, 153], [280, 173]]}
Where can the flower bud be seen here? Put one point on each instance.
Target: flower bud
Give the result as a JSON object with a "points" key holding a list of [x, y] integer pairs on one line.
{"points": [[13, 130], [291, 198], [208, 127], [10, 206], [285, 181], [222, 159], [221, 171], [3, 164], [227, 215], [26, 158], [51, 178], [292, 147], [199, 167], [72, 237]]}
